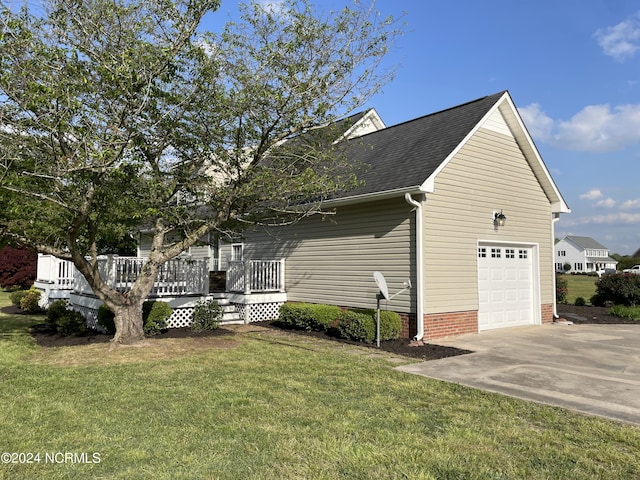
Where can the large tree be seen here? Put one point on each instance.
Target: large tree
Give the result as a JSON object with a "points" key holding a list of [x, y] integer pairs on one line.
{"points": [[117, 115]]}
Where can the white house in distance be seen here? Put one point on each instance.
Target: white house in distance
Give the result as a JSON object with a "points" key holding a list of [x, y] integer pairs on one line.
{"points": [[584, 254]]}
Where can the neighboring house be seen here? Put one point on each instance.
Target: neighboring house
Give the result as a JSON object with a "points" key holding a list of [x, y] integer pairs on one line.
{"points": [[459, 202], [583, 254], [428, 212]]}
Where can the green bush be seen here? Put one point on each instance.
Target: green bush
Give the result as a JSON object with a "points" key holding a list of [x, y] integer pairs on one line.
{"points": [[72, 323], [56, 310], [155, 315], [580, 302], [106, 320], [390, 323], [16, 297], [621, 289], [308, 316], [63, 321], [29, 301], [357, 326], [561, 289], [207, 315], [625, 312]]}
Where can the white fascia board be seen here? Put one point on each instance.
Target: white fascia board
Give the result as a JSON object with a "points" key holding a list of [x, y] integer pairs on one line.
{"points": [[429, 183], [538, 166], [372, 116], [369, 197]]}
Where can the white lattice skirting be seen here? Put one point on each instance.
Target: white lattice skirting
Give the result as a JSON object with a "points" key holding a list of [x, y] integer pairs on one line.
{"points": [[258, 312]]}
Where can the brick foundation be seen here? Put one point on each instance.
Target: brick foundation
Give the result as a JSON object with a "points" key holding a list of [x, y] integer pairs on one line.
{"points": [[438, 325], [546, 313]]}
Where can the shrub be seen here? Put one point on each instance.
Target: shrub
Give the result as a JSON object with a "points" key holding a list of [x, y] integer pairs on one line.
{"points": [[30, 299], [621, 289], [56, 310], [207, 315], [105, 320], [155, 315], [580, 302], [561, 289], [63, 321], [390, 323], [71, 323], [17, 267], [625, 312], [308, 316], [16, 297], [357, 326]]}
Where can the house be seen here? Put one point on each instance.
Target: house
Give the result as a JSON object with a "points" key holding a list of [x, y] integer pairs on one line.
{"points": [[583, 255], [459, 203]]}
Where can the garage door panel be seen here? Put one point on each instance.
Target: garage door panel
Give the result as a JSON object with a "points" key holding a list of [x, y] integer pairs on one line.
{"points": [[505, 287]]}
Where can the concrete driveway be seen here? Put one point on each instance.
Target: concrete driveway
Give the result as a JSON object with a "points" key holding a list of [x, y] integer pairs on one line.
{"points": [[594, 369]]}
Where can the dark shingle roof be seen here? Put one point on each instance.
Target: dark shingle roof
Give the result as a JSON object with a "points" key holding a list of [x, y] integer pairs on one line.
{"points": [[405, 155]]}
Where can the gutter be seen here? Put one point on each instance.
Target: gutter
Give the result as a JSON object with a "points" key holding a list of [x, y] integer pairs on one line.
{"points": [[556, 217], [419, 268]]}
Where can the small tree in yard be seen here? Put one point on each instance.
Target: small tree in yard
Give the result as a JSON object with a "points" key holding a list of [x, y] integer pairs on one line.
{"points": [[17, 267], [117, 115]]}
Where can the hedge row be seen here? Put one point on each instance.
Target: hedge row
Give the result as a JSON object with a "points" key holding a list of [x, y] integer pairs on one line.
{"points": [[357, 325]]}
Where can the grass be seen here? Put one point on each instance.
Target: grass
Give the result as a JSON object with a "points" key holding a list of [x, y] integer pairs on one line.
{"points": [[580, 286], [256, 405], [625, 312]]}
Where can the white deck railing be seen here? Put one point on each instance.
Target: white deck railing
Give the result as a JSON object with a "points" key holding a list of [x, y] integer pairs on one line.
{"points": [[179, 276], [256, 276], [58, 273]]}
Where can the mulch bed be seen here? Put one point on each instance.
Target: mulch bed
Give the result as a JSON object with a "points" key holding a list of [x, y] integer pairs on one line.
{"points": [[426, 351], [589, 314]]}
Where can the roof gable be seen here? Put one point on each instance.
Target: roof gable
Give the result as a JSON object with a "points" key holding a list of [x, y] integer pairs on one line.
{"points": [[407, 157], [585, 242]]}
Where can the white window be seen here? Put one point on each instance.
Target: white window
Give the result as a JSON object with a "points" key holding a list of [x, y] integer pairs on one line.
{"points": [[522, 254], [495, 253], [482, 252], [509, 253], [236, 252]]}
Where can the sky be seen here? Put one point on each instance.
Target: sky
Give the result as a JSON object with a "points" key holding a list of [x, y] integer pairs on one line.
{"points": [[572, 68]]}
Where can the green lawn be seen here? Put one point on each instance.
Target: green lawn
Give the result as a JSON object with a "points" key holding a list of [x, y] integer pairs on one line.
{"points": [[580, 286], [254, 405]]}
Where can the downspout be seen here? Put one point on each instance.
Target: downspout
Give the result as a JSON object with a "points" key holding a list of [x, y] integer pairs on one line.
{"points": [[556, 217], [419, 267]]}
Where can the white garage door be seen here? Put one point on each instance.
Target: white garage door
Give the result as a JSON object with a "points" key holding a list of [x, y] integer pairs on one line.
{"points": [[505, 286]]}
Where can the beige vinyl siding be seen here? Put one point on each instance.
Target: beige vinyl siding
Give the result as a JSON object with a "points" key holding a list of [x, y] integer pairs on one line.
{"points": [[488, 173], [332, 260]]}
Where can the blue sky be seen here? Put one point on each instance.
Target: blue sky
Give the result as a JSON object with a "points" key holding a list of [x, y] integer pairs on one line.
{"points": [[572, 68]]}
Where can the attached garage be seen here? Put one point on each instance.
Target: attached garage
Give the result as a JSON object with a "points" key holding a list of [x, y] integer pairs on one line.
{"points": [[507, 289]]}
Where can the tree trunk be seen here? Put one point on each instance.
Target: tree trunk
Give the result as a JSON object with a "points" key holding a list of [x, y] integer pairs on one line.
{"points": [[129, 324]]}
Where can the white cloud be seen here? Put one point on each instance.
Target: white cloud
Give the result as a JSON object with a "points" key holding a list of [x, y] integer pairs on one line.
{"points": [[607, 202], [538, 123], [621, 41], [620, 218], [629, 204], [596, 128], [593, 194]]}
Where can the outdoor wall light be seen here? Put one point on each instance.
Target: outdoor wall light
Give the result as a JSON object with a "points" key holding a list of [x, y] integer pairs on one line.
{"points": [[499, 219]]}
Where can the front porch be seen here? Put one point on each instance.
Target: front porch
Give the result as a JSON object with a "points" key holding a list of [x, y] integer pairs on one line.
{"points": [[254, 289]]}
